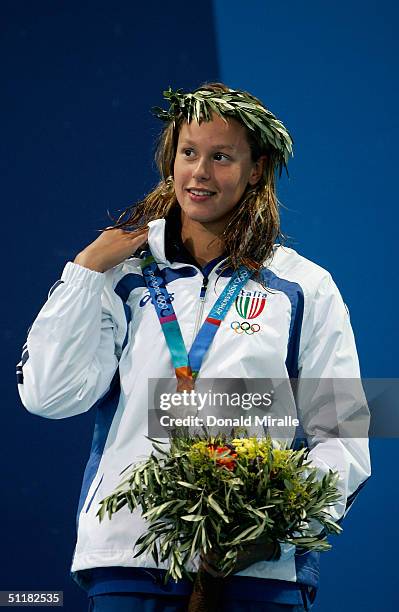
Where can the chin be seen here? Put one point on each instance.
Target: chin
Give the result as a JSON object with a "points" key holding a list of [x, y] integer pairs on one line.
{"points": [[203, 214], [199, 217]]}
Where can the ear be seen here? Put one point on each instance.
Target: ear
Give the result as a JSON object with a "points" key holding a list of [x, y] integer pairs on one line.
{"points": [[257, 170]]}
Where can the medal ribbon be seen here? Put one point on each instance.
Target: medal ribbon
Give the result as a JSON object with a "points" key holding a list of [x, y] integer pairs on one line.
{"points": [[188, 365]]}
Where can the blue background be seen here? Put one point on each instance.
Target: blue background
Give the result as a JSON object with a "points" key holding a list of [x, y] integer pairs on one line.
{"points": [[78, 81], [329, 72]]}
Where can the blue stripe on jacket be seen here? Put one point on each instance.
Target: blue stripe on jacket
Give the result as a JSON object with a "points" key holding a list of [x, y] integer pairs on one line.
{"points": [[106, 408]]}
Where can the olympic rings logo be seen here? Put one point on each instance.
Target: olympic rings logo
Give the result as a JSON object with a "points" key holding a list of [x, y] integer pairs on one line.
{"points": [[161, 301], [245, 327]]}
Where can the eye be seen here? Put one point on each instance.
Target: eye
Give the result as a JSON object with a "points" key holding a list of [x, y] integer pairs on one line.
{"points": [[221, 157], [187, 152]]}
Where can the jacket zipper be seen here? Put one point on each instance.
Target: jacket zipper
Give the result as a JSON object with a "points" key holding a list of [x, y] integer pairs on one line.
{"points": [[200, 309]]}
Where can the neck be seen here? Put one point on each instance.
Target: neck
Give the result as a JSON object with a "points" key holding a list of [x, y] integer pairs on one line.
{"points": [[202, 240]]}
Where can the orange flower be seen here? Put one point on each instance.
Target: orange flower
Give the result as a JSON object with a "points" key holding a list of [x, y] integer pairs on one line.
{"points": [[229, 460]]}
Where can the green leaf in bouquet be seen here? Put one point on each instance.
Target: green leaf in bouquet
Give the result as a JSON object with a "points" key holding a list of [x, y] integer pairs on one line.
{"points": [[154, 552], [102, 510], [185, 545], [194, 545], [259, 531], [192, 517], [205, 543], [146, 543], [236, 482], [189, 474], [228, 562], [277, 499], [231, 554], [242, 470], [288, 484], [312, 476], [257, 512], [156, 473], [189, 485], [213, 504], [137, 479], [156, 440], [178, 573], [121, 502], [227, 499], [160, 450], [316, 508], [266, 507], [158, 510], [126, 468], [175, 567], [167, 546], [124, 485], [244, 536], [196, 505], [329, 523], [216, 526], [141, 538]]}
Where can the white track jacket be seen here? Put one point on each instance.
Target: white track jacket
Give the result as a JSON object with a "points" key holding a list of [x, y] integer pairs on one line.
{"points": [[97, 340]]}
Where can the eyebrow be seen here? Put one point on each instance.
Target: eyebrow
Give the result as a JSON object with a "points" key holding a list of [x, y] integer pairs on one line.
{"points": [[218, 146]]}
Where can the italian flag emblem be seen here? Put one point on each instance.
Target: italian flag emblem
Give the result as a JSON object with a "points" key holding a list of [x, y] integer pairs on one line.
{"points": [[249, 305]]}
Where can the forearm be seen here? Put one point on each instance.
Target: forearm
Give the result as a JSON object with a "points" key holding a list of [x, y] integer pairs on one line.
{"points": [[71, 348]]}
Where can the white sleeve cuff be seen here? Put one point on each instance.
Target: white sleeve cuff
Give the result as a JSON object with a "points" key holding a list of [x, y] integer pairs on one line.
{"points": [[75, 274]]}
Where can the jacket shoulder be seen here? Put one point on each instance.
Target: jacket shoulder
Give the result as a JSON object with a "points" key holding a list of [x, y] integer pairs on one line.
{"points": [[288, 264]]}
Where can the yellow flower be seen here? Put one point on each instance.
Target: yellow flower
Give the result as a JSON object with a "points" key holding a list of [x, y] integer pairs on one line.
{"points": [[281, 457], [251, 447]]}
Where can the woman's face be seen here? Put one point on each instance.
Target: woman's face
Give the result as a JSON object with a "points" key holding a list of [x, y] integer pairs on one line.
{"points": [[213, 166]]}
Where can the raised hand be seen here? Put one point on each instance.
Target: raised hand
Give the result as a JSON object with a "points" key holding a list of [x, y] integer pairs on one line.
{"points": [[111, 248]]}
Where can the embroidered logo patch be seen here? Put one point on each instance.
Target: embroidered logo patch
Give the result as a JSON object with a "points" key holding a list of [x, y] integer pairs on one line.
{"points": [[250, 304], [244, 327]]}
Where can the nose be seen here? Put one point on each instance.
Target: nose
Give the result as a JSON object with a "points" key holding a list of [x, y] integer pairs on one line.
{"points": [[202, 171]]}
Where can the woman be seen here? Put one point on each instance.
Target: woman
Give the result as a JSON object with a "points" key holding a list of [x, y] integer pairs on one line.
{"points": [[214, 210]]}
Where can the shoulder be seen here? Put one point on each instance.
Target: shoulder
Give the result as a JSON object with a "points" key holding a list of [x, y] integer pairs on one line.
{"points": [[289, 265], [123, 272], [309, 284], [322, 301]]}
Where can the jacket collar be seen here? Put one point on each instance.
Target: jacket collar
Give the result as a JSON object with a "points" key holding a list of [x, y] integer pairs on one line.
{"points": [[156, 240], [167, 247]]}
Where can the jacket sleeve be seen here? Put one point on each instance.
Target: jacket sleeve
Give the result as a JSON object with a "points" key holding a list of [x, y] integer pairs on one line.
{"points": [[332, 407], [73, 346]]}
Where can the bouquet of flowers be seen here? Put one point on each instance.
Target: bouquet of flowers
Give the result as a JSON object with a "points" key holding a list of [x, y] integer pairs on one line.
{"points": [[222, 493]]}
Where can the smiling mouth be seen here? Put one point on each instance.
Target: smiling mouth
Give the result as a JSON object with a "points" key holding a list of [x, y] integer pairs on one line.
{"points": [[201, 192]]}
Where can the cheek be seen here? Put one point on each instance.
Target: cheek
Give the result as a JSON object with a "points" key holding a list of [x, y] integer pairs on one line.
{"points": [[180, 182], [175, 169], [179, 174], [235, 182]]}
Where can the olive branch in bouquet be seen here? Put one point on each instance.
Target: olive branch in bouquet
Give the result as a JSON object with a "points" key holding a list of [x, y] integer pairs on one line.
{"points": [[221, 493]]}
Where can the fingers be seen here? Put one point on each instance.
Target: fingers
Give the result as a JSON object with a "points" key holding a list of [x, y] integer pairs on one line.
{"points": [[112, 247], [140, 232], [133, 233], [136, 239], [115, 235]]}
